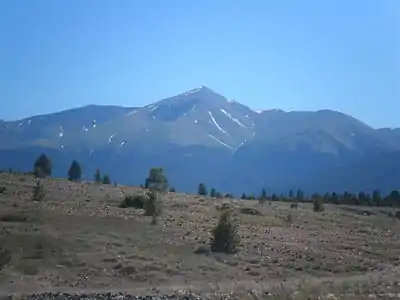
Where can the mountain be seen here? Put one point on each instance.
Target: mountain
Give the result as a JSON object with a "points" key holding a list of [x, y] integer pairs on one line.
{"points": [[201, 136]]}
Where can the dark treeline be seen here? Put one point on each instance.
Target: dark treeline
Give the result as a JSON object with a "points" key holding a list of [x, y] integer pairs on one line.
{"points": [[366, 199], [43, 168]]}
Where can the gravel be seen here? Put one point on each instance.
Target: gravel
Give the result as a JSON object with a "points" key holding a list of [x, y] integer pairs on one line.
{"points": [[112, 296]]}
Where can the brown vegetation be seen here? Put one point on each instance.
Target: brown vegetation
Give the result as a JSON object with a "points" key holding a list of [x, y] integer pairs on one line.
{"points": [[79, 238]]}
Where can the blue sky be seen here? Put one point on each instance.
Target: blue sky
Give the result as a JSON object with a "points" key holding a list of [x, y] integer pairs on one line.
{"points": [[293, 55]]}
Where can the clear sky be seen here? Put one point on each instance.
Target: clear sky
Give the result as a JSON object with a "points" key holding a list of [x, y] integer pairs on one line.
{"points": [[293, 55]]}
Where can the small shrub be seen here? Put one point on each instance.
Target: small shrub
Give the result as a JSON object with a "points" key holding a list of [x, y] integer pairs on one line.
{"points": [[397, 214], [289, 218], [224, 236], [135, 201], [5, 257], [17, 218], [318, 204], [224, 206], [201, 250], [2, 189], [250, 211], [294, 206], [38, 192], [152, 206]]}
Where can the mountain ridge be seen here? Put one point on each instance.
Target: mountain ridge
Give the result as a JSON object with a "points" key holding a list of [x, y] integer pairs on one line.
{"points": [[201, 136]]}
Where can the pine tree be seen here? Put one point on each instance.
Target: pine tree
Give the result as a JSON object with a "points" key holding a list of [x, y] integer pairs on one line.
{"points": [[202, 189], [377, 198], [244, 197], [42, 166], [106, 179], [97, 176], [213, 193], [225, 237], [263, 194], [156, 180], [74, 172], [299, 195]]}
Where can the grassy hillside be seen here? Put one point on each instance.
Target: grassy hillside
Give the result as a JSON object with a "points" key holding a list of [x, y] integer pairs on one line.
{"points": [[79, 239]]}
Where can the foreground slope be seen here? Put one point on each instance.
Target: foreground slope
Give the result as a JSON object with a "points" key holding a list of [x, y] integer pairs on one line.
{"points": [[79, 240]]}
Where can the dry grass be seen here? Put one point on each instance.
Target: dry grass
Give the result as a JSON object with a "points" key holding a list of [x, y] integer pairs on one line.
{"points": [[78, 238]]}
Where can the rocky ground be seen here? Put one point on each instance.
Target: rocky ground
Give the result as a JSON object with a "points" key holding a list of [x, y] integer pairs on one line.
{"points": [[78, 240]]}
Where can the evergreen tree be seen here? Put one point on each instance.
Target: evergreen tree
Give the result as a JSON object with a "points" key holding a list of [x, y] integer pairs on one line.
{"points": [[106, 179], [244, 197], [42, 166], [213, 193], [225, 237], [97, 176], [299, 195], [74, 172], [376, 198], [156, 180], [202, 189], [263, 194]]}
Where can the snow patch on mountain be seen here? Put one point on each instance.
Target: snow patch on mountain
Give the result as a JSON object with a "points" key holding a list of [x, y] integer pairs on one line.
{"points": [[152, 107], [232, 118], [215, 123], [239, 146], [131, 113], [111, 137], [219, 141], [192, 91]]}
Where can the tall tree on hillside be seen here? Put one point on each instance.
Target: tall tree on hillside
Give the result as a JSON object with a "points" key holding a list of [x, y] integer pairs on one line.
{"points": [[213, 193], [376, 198], [157, 180], [74, 172], [202, 189], [263, 194], [299, 195], [42, 166], [97, 176], [106, 179]]}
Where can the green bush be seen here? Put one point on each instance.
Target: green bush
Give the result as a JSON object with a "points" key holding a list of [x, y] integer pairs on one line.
{"points": [[318, 204], [5, 257], [135, 201], [224, 236]]}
